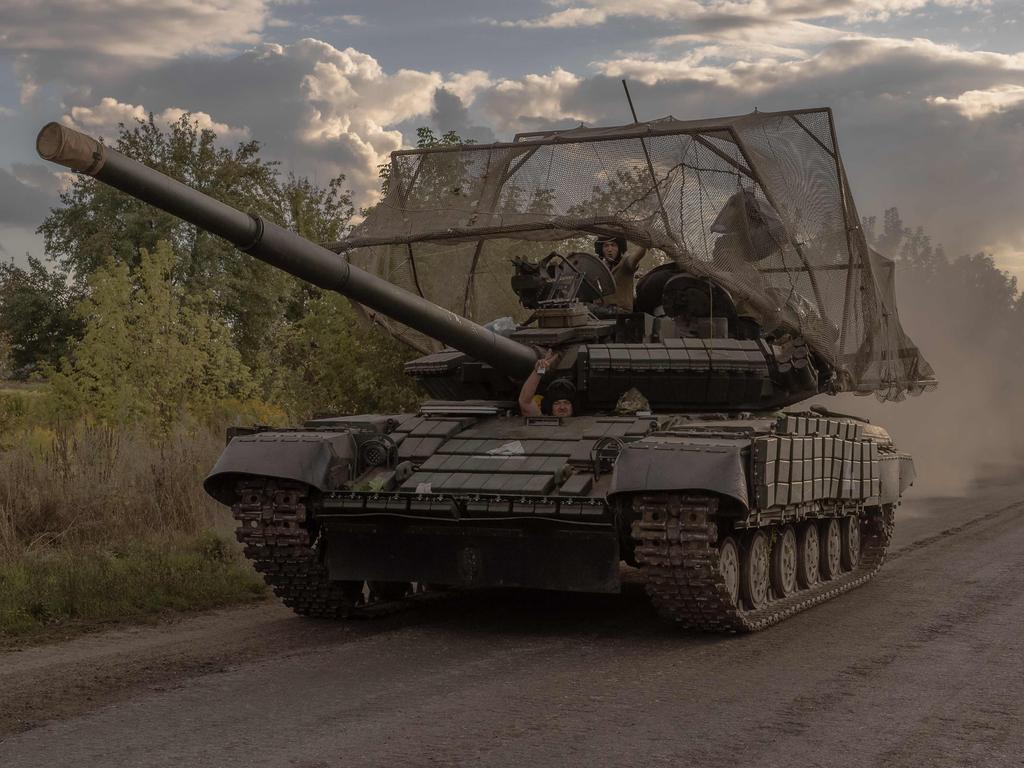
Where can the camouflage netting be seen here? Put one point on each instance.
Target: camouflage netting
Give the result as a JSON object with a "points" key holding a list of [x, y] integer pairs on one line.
{"points": [[760, 203]]}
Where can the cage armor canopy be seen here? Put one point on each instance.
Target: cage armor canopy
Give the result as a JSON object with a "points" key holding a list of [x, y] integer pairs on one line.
{"points": [[759, 204]]}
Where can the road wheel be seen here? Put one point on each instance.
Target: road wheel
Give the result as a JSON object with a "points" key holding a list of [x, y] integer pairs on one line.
{"points": [[784, 560], [850, 535], [729, 565], [831, 548], [754, 581], [808, 555]]}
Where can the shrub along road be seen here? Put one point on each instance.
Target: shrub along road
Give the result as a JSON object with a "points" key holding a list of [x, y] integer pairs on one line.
{"points": [[919, 667]]}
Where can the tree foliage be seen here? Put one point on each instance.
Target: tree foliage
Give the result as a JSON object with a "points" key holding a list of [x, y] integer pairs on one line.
{"points": [[149, 352], [97, 224], [335, 362], [425, 139], [173, 320], [37, 320]]}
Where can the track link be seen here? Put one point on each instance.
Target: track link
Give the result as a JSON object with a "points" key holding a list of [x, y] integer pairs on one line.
{"points": [[676, 538], [274, 526]]}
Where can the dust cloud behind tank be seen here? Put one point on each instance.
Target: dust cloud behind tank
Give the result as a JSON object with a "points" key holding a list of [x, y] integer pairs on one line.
{"points": [[677, 459]]}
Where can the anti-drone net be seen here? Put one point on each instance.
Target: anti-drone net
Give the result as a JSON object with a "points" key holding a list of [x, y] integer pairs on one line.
{"points": [[758, 203]]}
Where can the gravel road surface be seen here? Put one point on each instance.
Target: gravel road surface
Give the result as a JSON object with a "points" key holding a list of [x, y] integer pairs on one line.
{"points": [[923, 666]]}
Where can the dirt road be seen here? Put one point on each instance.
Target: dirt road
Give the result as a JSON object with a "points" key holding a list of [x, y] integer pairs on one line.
{"points": [[924, 666]]}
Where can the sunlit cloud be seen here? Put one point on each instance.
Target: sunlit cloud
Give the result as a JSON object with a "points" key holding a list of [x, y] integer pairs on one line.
{"points": [[723, 12], [136, 29], [109, 113], [977, 104]]}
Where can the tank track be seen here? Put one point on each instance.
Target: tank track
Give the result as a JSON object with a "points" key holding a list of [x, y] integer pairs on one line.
{"points": [[676, 538], [274, 528]]}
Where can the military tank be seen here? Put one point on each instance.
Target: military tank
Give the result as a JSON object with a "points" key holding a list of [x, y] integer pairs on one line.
{"points": [[686, 457]]}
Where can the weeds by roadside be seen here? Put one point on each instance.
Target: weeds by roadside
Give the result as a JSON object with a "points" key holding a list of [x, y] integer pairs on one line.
{"points": [[101, 522], [61, 587]]}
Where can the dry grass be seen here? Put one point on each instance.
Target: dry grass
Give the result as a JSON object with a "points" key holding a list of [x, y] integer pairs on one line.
{"points": [[88, 485], [98, 523]]}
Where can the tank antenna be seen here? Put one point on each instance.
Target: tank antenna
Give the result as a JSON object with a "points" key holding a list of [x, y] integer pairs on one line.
{"points": [[650, 165]]}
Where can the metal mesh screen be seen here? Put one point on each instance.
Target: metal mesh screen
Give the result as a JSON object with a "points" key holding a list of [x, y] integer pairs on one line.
{"points": [[759, 203]]}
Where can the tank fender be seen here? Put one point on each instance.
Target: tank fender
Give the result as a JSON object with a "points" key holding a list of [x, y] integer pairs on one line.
{"points": [[314, 458], [667, 463]]}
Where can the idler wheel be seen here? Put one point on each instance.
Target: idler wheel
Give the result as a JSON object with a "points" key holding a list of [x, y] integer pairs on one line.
{"points": [[831, 549], [784, 563], [850, 534], [808, 555], [755, 578], [729, 565]]}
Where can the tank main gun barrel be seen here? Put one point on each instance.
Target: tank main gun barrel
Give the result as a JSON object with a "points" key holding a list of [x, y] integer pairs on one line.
{"points": [[281, 248]]}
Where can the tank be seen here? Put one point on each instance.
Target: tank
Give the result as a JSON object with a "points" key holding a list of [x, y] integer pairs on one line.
{"points": [[688, 462]]}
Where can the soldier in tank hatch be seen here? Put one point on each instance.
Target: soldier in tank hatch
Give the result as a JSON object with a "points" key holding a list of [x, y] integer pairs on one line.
{"points": [[623, 265], [559, 398]]}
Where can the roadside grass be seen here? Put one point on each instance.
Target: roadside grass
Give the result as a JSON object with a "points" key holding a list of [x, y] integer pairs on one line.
{"points": [[101, 523], [61, 590]]}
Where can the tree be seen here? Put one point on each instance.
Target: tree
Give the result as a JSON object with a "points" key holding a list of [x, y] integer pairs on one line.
{"points": [[425, 139], [149, 352], [333, 362], [893, 233], [36, 315], [98, 224]]}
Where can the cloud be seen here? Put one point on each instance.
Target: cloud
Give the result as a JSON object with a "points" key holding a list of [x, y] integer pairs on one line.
{"points": [[598, 12], [745, 37], [466, 85], [451, 114], [105, 117], [981, 103], [848, 54], [82, 40], [319, 109], [136, 29], [348, 85], [571, 17], [532, 101]]}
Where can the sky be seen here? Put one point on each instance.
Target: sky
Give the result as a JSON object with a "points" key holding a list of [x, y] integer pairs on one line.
{"points": [[928, 95]]}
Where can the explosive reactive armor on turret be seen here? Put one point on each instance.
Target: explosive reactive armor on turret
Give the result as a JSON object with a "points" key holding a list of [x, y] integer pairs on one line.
{"points": [[677, 460]]}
